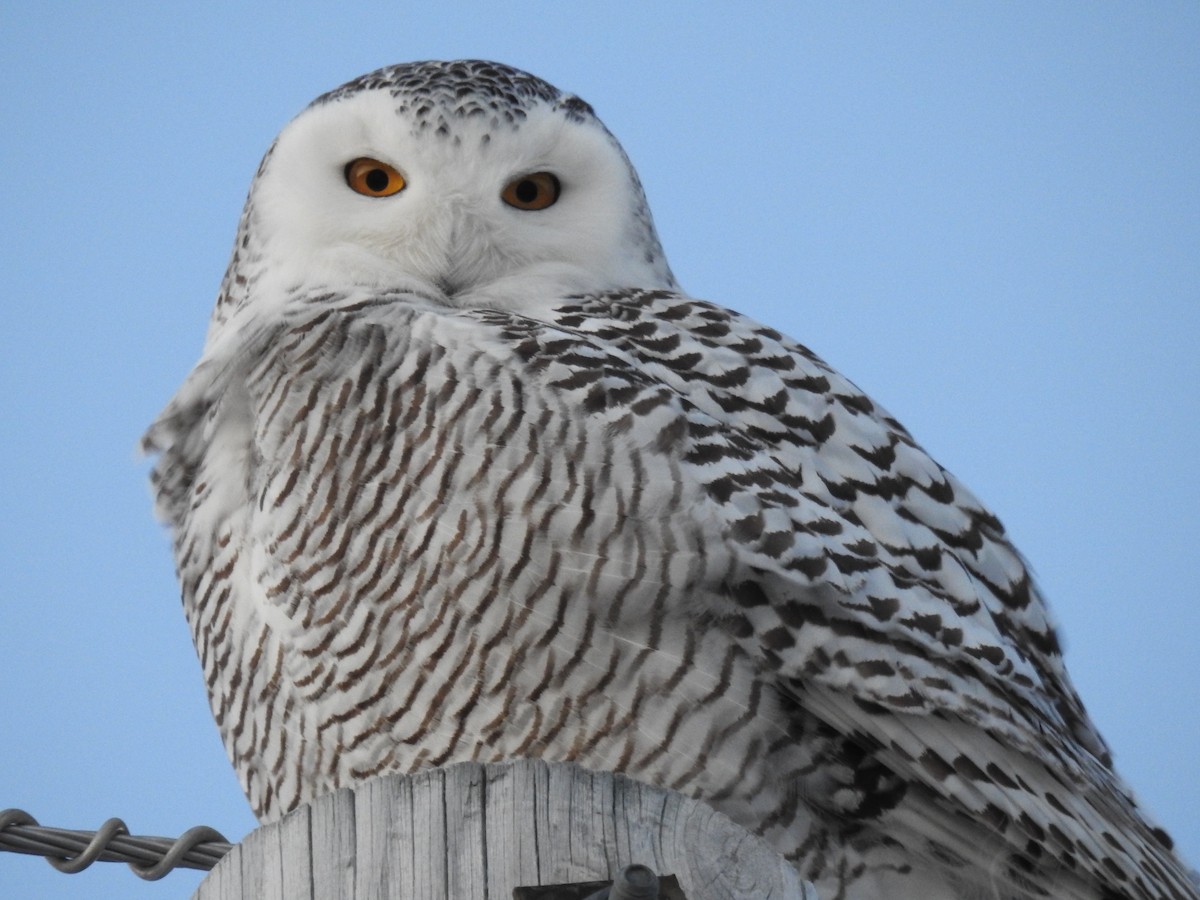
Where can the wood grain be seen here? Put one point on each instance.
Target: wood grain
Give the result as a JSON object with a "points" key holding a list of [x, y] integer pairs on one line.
{"points": [[477, 831]]}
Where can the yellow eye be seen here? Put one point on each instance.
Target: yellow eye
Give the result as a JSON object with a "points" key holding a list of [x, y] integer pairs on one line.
{"points": [[536, 191], [373, 178]]}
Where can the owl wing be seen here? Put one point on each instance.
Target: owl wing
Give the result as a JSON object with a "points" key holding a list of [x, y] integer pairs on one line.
{"points": [[887, 599]]}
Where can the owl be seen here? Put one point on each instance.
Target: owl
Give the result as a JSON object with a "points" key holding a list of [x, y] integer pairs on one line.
{"points": [[463, 474]]}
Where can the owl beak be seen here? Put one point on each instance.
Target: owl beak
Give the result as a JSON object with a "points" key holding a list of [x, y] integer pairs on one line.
{"points": [[452, 277], [449, 287]]}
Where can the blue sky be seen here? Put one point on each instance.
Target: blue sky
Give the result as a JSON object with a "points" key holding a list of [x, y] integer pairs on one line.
{"points": [[986, 215]]}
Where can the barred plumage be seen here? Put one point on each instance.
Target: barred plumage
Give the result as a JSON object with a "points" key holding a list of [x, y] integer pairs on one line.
{"points": [[459, 481]]}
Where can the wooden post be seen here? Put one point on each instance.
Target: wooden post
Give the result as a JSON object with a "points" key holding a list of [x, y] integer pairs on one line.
{"points": [[473, 831]]}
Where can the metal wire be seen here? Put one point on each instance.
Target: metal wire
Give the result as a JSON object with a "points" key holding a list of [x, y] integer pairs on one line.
{"points": [[73, 851]]}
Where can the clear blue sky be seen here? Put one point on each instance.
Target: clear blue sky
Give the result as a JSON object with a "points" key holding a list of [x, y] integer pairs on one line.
{"points": [[987, 215]]}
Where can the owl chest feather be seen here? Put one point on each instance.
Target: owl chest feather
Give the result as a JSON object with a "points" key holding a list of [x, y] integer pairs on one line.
{"points": [[443, 560]]}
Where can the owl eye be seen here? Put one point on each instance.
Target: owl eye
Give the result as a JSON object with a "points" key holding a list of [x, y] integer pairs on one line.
{"points": [[536, 191], [373, 178]]}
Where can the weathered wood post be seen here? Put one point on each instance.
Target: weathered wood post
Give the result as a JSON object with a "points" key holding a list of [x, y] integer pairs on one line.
{"points": [[472, 831]]}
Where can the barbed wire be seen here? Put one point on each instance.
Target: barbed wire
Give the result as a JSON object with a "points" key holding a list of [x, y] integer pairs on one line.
{"points": [[73, 851]]}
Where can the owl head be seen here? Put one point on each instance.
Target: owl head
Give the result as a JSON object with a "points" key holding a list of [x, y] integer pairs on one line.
{"points": [[469, 183]]}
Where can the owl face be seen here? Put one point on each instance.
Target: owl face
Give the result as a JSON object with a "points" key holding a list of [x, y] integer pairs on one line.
{"points": [[460, 198]]}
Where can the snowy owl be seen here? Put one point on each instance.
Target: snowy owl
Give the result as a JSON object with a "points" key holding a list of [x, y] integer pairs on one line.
{"points": [[463, 474]]}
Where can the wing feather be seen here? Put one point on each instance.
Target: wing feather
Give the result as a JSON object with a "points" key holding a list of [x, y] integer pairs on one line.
{"points": [[891, 602]]}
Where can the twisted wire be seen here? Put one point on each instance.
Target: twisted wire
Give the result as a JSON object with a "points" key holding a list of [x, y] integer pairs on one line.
{"points": [[73, 851]]}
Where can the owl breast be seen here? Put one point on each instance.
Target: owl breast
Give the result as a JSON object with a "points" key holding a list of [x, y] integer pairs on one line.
{"points": [[445, 561]]}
